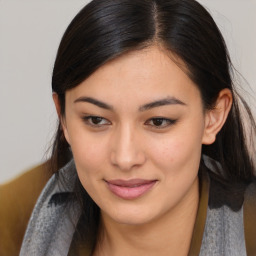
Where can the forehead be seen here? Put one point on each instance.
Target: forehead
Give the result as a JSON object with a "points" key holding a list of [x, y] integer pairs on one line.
{"points": [[149, 73]]}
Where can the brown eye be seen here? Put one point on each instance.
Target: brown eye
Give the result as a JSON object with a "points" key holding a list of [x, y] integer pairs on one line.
{"points": [[96, 121], [160, 122]]}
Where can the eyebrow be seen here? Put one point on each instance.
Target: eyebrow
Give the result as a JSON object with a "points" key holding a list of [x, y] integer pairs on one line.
{"points": [[154, 104], [95, 102], [162, 102]]}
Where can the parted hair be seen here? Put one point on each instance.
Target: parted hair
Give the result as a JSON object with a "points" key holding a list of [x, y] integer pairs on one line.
{"points": [[104, 30]]}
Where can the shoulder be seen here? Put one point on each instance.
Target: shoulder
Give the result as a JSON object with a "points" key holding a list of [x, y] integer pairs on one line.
{"points": [[235, 204], [17, 200], [230, 225]]}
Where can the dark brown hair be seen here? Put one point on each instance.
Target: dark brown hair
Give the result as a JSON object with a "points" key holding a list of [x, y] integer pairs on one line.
{"points": [[104, 30]]}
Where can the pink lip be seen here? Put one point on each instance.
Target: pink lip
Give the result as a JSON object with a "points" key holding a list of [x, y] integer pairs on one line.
{"points": [[130, 189]]}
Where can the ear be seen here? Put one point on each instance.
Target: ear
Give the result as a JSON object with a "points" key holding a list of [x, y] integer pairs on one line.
{"points": [[215, 118], [55, 98], [61, 118]]}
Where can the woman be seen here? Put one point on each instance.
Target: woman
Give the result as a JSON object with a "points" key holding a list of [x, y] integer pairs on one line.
{"points": [[150, 154]]}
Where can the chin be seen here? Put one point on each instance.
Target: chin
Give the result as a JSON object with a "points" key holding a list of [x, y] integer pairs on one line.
{"points": [[132, 216]]}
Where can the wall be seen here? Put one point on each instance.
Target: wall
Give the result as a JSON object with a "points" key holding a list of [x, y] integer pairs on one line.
{"points": [[30, 31]]}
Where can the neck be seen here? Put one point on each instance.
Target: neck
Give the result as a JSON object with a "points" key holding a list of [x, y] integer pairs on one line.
{"points": [[169, 234]]}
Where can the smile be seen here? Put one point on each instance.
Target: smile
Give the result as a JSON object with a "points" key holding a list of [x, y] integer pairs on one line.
{"points": [[130, 189]]}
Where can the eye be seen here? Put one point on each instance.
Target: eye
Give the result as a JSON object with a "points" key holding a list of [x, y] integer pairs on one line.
{"points": [[96, 121], [160, 122]]}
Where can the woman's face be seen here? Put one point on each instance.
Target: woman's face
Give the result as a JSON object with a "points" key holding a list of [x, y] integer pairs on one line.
{"points": [[136, 127]]}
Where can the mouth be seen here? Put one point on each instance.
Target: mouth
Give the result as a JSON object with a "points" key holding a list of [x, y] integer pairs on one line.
{"points": [[130, 189]]}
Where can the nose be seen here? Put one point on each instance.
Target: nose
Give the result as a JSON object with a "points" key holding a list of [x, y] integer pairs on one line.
{"points": [[127, 149]]}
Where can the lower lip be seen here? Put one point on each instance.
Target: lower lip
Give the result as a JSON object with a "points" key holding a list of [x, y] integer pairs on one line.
{"points": [[130, 192]]}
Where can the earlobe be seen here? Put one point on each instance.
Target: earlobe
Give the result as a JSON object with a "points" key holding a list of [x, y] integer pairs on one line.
{"points": [[215, 118]]}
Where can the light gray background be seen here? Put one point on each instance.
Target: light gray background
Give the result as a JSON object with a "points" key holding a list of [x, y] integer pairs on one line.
{"points": [[30, 31]]}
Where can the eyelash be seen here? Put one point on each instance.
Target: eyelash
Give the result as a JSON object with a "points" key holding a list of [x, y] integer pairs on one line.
{"points": [[168, 122], [88, 120]]}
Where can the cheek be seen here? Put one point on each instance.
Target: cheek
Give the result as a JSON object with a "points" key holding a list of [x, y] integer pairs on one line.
{"points": [[90, 159], [89, 152], [176, 151], [169, 152]]}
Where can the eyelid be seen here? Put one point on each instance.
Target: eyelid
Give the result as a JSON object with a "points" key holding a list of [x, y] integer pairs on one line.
{"points": [[169, 122], [86, 119]]}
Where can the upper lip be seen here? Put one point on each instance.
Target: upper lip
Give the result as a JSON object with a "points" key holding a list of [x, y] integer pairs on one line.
{"points": [[129, 183]]}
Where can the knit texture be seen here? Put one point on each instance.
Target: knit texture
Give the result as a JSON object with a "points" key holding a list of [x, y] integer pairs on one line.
{"points": [[224, 233], [52, 225]]}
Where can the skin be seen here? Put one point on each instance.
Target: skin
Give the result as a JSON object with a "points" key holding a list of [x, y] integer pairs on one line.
{"points": [[128, 143]]}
